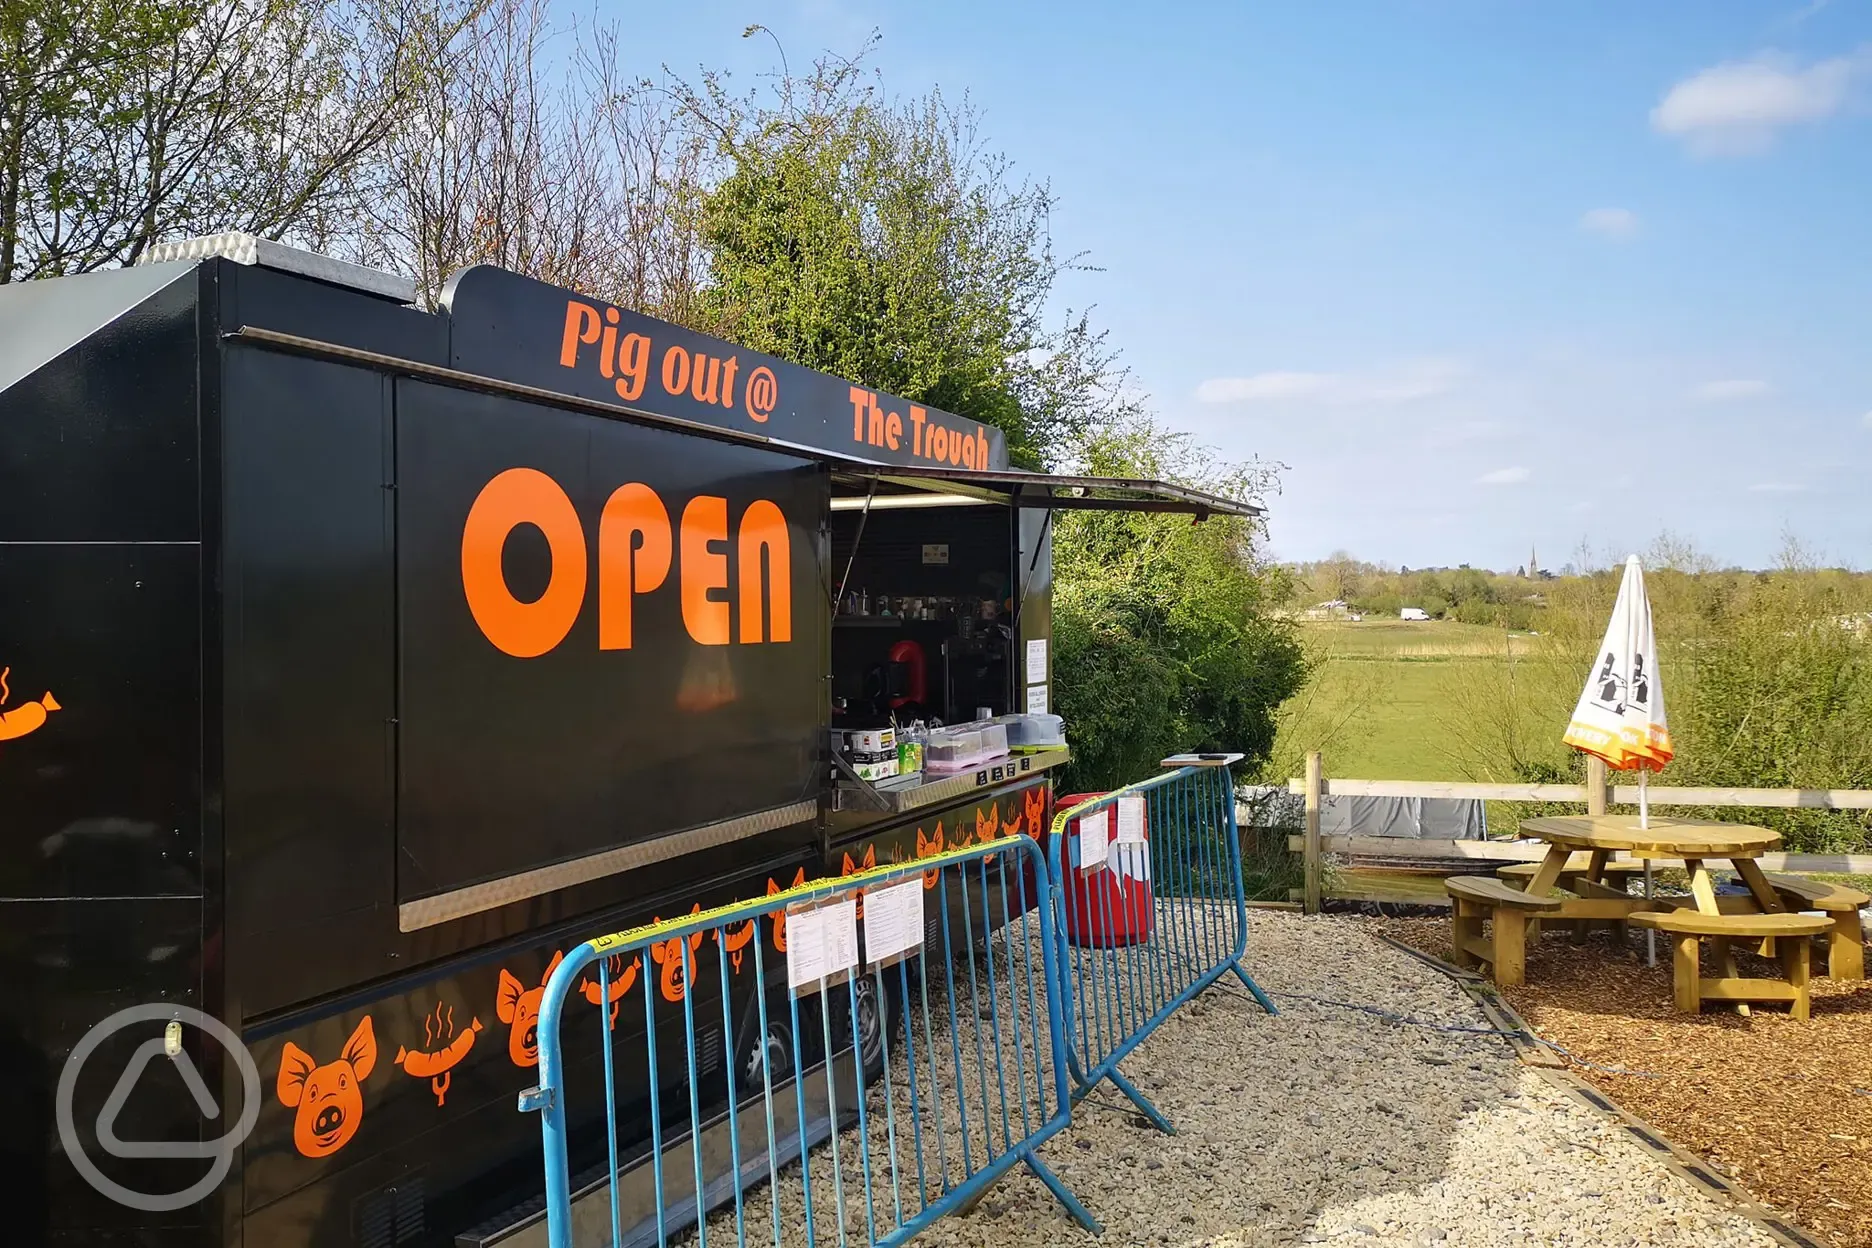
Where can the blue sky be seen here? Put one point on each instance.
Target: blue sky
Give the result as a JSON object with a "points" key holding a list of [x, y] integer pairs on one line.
{"points": [[1484, 275]]}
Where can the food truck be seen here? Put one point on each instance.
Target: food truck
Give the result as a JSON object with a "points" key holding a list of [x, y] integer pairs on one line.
{"points": [[357, 659]]}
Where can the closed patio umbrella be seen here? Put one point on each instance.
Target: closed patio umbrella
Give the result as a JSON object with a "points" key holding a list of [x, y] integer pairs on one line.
{"points": [[1620, 716]]}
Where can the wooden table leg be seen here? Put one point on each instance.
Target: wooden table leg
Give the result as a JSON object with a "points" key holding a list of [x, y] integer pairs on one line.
{"points": [[1545, 877], [1764, 895], [1846, 947], [1700, 886], [1595, 873], [1705, 893], [1510, 939], [1686, 975]]}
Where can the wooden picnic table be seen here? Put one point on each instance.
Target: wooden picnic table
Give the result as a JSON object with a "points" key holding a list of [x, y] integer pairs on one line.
{"points": [[1695, 841]]}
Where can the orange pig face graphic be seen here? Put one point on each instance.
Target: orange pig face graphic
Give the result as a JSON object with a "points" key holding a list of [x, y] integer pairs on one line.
{"points": [[926, 846], [987, 824], [329, 1098], [518, 1006], [779, 916], [677, 958], [1034, 801]]}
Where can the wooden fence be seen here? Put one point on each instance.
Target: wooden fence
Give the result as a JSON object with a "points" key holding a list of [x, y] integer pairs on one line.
{"points": [[1596, 795]]}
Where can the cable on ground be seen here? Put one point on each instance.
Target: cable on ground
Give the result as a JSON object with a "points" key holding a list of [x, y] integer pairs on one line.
{"points": [[1518, 1033]]}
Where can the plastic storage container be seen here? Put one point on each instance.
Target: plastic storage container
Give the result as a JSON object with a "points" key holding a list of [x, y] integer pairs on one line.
{"points": [[1033, 732], [994, 738], [1114, 907], [953, 749]]}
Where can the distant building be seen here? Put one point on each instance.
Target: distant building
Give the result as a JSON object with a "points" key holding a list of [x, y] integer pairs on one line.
{"points": [[1334, 610]]}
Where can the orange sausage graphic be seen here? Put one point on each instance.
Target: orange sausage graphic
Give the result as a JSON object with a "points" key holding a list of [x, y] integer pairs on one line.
{"points": [[443, 1060], [27, 716], [735, 941], [623, 978]]}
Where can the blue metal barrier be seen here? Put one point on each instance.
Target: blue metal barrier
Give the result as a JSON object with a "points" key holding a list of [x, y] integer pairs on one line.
{"points": [[925, 1075], [1156, 920]]}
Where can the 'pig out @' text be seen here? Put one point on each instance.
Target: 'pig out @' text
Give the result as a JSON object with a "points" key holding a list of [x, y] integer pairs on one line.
{"points": [[625, 361]]}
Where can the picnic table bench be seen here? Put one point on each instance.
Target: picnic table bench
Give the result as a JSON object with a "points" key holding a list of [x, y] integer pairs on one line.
{"points": [[1688, 928], [1846, 931], [1475, 898]]}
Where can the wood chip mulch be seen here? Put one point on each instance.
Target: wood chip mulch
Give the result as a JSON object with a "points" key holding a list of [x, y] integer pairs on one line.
{"points": [[1781, 1107]]}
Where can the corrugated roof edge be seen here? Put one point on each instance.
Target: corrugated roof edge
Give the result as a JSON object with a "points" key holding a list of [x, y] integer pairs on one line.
{"points": [[252, 249]]}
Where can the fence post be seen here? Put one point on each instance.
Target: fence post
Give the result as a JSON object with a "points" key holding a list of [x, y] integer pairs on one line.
{"points": [[1311, 855], [1595, 785]]}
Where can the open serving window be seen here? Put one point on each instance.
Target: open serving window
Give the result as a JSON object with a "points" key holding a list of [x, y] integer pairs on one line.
{"points": [[941, 585]]}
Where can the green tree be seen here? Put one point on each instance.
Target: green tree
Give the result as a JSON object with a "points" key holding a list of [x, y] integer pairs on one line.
{"points": [[882, 242], [126, 122], [1167, 628]]}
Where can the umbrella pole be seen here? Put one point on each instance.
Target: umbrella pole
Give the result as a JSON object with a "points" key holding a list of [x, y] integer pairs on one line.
{"points": [[1644, 821]]}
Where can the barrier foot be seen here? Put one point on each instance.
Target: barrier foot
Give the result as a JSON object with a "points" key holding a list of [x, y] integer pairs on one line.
{"points": [[1248, 983], [1149, 1110], [1062, 1193]]}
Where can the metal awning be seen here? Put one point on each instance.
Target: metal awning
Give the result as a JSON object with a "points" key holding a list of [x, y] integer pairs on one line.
{"points": [[1044, 490]]}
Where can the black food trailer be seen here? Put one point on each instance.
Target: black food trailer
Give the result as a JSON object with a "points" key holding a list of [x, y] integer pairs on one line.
{"points": [[356, 660]]}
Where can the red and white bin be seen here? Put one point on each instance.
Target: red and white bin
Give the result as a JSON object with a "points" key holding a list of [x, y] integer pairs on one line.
{"points": [[1114, 907]]}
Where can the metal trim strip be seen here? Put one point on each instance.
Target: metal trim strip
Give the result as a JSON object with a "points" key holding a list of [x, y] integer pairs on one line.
{"points": [[459, 903]]}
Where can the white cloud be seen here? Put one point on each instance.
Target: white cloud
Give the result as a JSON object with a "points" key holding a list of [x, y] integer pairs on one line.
{"points": [[1866, 420], [1736, 108], [1619, 223], [1420, 379], [1775, 487], [1503, 476], [1730, 391]]}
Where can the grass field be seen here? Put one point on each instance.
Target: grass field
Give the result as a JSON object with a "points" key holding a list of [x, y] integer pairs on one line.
{"points": [[1384, 702]]}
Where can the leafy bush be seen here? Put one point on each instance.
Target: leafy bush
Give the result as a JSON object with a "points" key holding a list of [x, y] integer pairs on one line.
{"points": [[1767, 683], [1165, 639]]}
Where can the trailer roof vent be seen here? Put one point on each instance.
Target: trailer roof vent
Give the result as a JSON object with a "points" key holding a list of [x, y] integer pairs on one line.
{"points": [[251, 249]]}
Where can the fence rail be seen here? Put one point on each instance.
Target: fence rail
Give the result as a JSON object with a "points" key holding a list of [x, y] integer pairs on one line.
{"points": [[1149, 883], [909, 1052], [1596, 795], [1621, 795], [918, 1030]]}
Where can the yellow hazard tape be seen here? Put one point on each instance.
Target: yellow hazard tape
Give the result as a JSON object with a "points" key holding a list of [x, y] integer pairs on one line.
{"points": [[735, 911]]}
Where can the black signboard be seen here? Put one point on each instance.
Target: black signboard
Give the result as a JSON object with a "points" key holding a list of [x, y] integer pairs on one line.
{"points": [[609, 632], [525, 331]]}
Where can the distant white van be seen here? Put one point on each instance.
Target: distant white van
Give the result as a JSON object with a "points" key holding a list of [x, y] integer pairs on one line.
{"points": [[1413, 613]]}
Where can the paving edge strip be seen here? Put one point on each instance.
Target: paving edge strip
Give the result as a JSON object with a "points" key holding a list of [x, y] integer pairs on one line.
{"points": [[1553, 1068]]}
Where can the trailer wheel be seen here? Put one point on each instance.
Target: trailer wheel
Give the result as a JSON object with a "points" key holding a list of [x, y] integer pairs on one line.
{"points": [[775, 1047], [876, 1012]]}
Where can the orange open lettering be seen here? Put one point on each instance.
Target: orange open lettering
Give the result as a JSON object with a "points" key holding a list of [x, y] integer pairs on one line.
{"points": [[635, 549]]}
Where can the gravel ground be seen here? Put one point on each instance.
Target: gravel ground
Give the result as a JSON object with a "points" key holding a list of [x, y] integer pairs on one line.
{"points": [[1322, 1126]]}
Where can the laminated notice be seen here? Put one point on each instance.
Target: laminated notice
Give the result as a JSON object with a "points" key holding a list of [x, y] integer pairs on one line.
{"points": [[893, 920], [1036, 699], [822, 943], [1131, 820], [1036, 661], [1094, 840]]}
